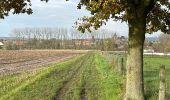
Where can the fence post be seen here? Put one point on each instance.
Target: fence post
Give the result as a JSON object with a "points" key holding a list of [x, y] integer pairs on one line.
{"points": [[120, 65], [117, 63], [162, 85], [115, 60]]}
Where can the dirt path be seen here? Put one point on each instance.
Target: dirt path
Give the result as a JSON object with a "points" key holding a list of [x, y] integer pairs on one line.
{"points": [[74, 79], [13, 68]]}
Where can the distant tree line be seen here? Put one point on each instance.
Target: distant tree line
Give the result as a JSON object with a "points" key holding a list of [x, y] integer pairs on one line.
{"points": [[163, 43], [62, 38], [158, 44]]}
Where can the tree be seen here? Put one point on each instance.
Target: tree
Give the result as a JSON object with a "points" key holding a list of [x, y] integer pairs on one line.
{"points": [[142, 16], [16, 6], [164, 43]]}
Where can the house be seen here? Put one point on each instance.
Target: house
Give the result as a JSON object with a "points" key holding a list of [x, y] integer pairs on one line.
{"points": [[19, 42], [1, 45], [149, 51], [84, 42]]}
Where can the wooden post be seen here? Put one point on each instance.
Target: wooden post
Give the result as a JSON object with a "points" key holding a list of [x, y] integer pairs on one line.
{"points": [[117, 63], [162, 85], [120, 65], [115, 60]]}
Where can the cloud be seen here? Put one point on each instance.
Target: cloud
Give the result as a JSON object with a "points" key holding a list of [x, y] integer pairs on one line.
{"points": [[53, 4], [55, 13]]}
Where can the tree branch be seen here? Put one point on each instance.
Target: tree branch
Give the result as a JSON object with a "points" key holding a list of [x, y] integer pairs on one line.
{"points": [[149, 6]]}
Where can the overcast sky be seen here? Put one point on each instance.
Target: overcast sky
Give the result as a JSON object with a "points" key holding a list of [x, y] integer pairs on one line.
{"points": [[55, 13]]}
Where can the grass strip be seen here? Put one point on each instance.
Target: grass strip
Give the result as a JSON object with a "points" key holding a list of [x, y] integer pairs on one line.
{"points": [[101, 83], [35, 78]]}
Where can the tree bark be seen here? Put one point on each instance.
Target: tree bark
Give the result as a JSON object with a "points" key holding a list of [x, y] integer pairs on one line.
{"points": [[134, 80]]}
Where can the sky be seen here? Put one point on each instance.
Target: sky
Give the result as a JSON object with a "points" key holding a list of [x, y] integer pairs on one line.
{"points": [[55, 13]]}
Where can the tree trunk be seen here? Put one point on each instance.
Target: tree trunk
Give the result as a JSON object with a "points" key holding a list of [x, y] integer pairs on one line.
{"points": [[134, 81]]}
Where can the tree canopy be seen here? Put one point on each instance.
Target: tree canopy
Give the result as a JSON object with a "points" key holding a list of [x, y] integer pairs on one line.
{"points": [[142, 16], [156, 11], [15, 6]]}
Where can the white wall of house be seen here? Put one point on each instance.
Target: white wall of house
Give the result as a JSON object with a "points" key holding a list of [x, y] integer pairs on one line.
{"points": [[1, 44]]}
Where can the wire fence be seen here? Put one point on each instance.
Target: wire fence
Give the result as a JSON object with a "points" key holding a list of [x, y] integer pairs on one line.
{"points": [[152, 64]]}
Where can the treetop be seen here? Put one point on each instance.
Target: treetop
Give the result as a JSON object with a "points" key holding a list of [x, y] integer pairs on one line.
{"points": [[156, 12]]}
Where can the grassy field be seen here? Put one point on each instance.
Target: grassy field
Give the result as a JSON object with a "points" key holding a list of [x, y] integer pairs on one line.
{"points": [[88, 77], [151, 73], [85, 77]]}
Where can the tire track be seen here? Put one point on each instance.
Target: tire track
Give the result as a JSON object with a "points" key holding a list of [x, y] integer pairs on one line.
{"points": [[74, 77], [58, 72], [87, 74], [83, 93]]}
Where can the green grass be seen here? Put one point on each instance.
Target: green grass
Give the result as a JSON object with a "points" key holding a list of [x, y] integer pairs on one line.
{"points": [[151, 73], [73, 88], [10, 82], [110, 82], [16, 87], [89, 77]]}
